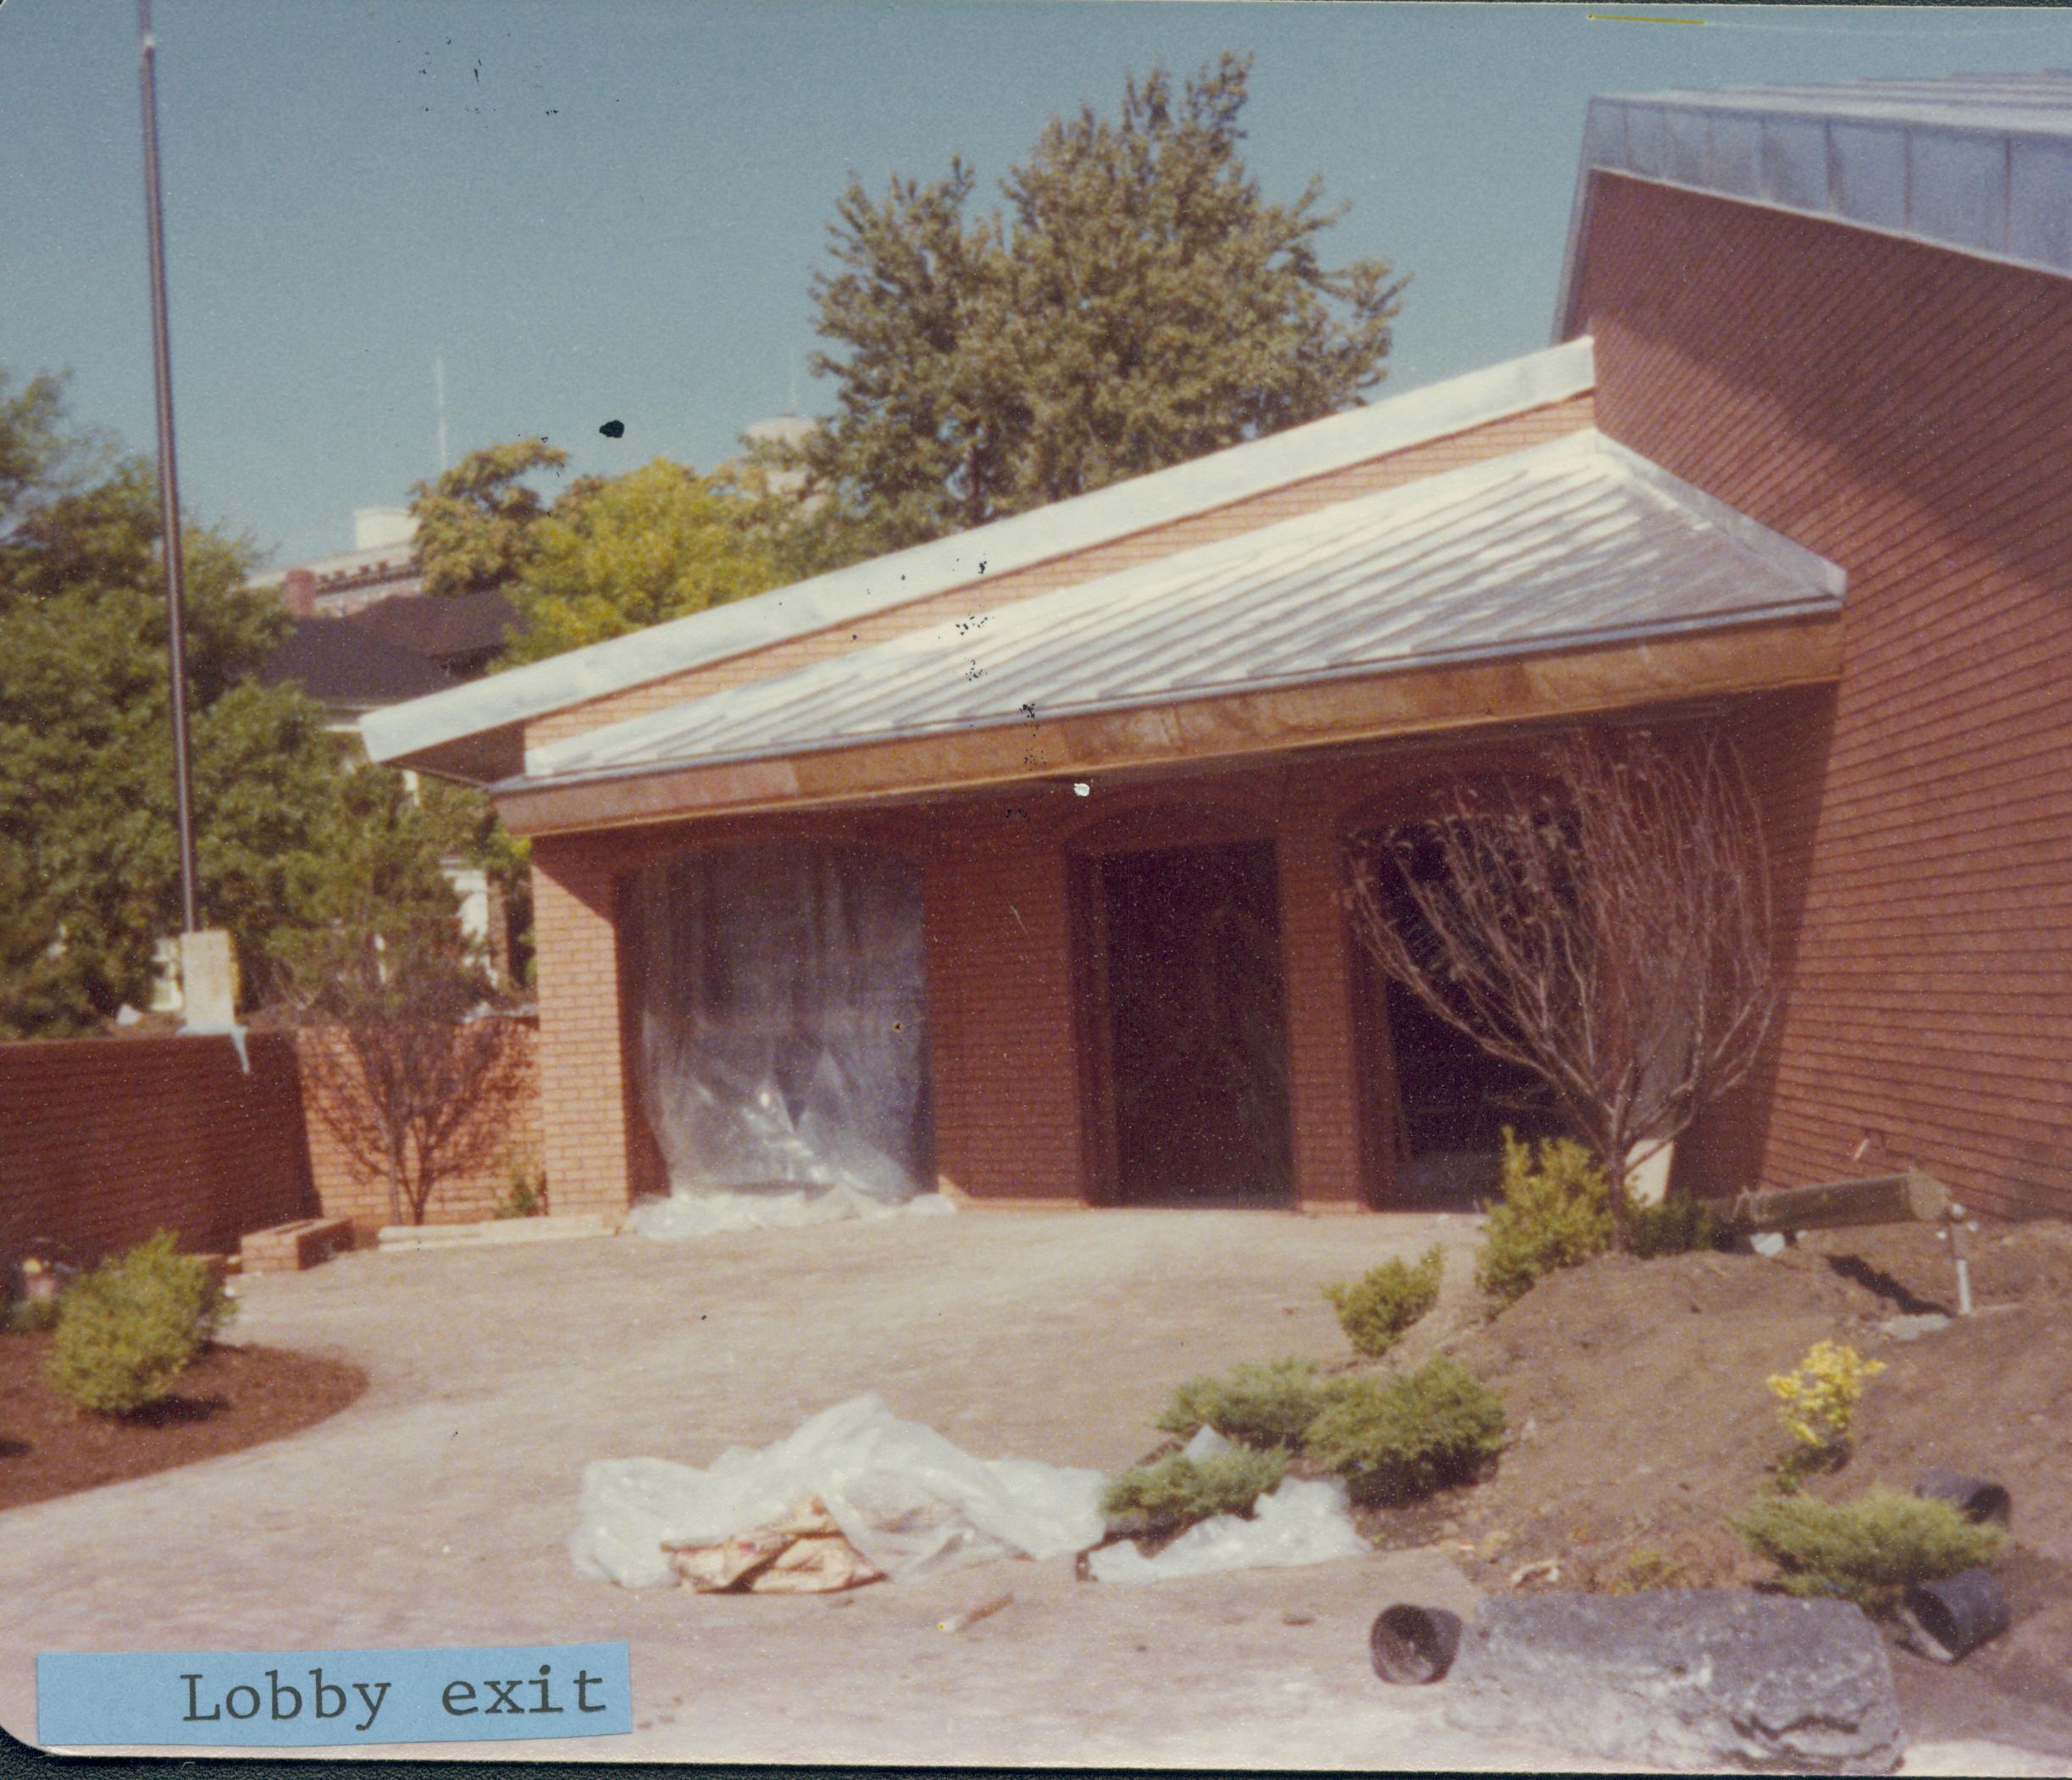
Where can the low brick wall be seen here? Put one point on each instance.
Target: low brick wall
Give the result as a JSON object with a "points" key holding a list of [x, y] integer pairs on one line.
{"points": [[344, 1189], [103, 1141]]}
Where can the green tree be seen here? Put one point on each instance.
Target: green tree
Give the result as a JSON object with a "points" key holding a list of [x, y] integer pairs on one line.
{"points": [[87, 846], [476, 521], [1139, 304], [613, 556]]}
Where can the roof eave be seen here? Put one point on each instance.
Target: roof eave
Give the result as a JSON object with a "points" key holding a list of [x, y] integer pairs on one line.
{"points": [[1561, 683]]}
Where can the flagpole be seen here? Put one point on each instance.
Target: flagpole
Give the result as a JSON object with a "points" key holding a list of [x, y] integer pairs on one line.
{"points": [[168, 475]]}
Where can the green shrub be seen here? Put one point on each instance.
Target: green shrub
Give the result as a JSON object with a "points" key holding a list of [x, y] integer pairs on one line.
{"points": [[1269, 1404], [1376, 1308], [528, 1197], [32, 1316], [1865, 1550], [127, 1329], [1396, 1439], [1178, 1491], [1673, 1227], [1555, 1212]]}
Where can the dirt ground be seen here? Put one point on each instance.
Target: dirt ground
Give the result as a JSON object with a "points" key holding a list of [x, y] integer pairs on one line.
{"points": [[230, 1398], [433, 1510], [1637, 1392]]}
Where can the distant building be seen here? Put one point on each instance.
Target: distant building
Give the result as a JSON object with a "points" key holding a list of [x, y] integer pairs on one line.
{"points": [[381, 564], [365, 635], [788, 431]]}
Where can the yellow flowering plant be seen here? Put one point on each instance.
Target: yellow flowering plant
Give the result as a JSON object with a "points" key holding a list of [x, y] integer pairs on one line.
{"points": [[1817, 1402]]}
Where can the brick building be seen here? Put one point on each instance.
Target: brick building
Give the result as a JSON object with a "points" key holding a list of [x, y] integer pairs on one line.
{"points": [[1066, 802]]}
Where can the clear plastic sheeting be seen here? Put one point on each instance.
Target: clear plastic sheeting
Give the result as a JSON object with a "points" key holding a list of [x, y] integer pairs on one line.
{"points": [[908, 1500], [679, 1215], [783, 1008], [1300, 1523]]}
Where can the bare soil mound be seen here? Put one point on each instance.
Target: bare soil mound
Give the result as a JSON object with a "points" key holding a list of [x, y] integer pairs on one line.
{"points": [[1643, 1424], [230, 1398]]}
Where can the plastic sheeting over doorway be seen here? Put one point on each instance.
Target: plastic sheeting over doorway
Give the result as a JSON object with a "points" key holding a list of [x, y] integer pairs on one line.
{"points": [[782, 1013]]}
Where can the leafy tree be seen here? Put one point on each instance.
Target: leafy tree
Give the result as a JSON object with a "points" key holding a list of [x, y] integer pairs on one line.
{"points": [[612, 556], [1139, 304], [476, 521], [87, 846]]}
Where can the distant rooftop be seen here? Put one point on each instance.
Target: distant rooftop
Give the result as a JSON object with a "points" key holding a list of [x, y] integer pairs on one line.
{"points": [[347, 669], [1978, 163], [447, 627]]}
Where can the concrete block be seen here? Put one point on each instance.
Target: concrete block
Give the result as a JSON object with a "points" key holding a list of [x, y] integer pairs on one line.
{"points": [[1683, 1678], [289, 1248]]}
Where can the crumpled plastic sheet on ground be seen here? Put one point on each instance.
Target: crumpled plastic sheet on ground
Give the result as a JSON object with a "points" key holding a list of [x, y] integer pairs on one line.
{"points": [[784, 1041], [908, 1500], [1303, 1522]]}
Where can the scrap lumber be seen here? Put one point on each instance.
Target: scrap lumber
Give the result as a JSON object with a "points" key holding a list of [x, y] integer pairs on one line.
{"points": [[1913, 1197]]}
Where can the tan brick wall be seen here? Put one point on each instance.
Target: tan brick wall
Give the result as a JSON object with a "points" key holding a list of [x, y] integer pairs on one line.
{"points": [[104, 1141], [1457, 451], [1001, 1026], [1907, 411], [1005, 1047], [587, 1118], [346, 1189]]}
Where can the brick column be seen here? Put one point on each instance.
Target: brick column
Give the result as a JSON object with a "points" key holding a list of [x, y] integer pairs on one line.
{"points": [[589, 1120], [1322, 1059], [1000, 1022]]}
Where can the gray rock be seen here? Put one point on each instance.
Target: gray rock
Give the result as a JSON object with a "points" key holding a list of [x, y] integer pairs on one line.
{"points": [[1912, 1328], [1683, 1678]]}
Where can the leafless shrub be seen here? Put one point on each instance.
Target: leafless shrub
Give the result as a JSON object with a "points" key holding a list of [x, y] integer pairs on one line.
{"points": [[407, 1064], [1606, 925]]}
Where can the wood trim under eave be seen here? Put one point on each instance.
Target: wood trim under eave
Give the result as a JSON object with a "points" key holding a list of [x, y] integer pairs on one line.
{"points": [[1208, 731]]}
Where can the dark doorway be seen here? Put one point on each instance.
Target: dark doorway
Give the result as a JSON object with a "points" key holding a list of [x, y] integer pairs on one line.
{"points": [[1197, 1050], [1441, 1132]]}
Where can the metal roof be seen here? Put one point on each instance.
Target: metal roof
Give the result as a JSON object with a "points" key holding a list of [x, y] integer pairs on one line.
{"points": [[1572, 543], [412, 734], [1978, 163]]}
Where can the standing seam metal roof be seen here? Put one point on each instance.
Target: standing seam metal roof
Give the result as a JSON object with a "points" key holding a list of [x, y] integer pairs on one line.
{"points": [[1576, 542], [1978, 163], [825, 601]]}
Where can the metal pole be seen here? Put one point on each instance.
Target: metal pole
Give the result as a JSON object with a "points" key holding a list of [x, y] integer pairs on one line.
{"points": [[439, 378], [169, 476]]}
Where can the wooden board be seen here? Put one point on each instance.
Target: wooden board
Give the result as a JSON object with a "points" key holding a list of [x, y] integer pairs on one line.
{"points": [[1909, 1198]]}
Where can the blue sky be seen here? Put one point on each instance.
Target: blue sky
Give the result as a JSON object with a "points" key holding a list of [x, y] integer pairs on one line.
{"points": [[611, 209]]}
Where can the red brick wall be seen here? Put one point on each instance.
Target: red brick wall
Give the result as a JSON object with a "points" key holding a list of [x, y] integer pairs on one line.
{"points": [[1907, 411], [346, 1189], [1474, 445], [103, 1141]]}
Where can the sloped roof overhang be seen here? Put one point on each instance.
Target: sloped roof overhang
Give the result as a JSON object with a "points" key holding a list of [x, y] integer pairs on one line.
{"points": [[1571, 580], [475, 732], [1205, 734]]}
